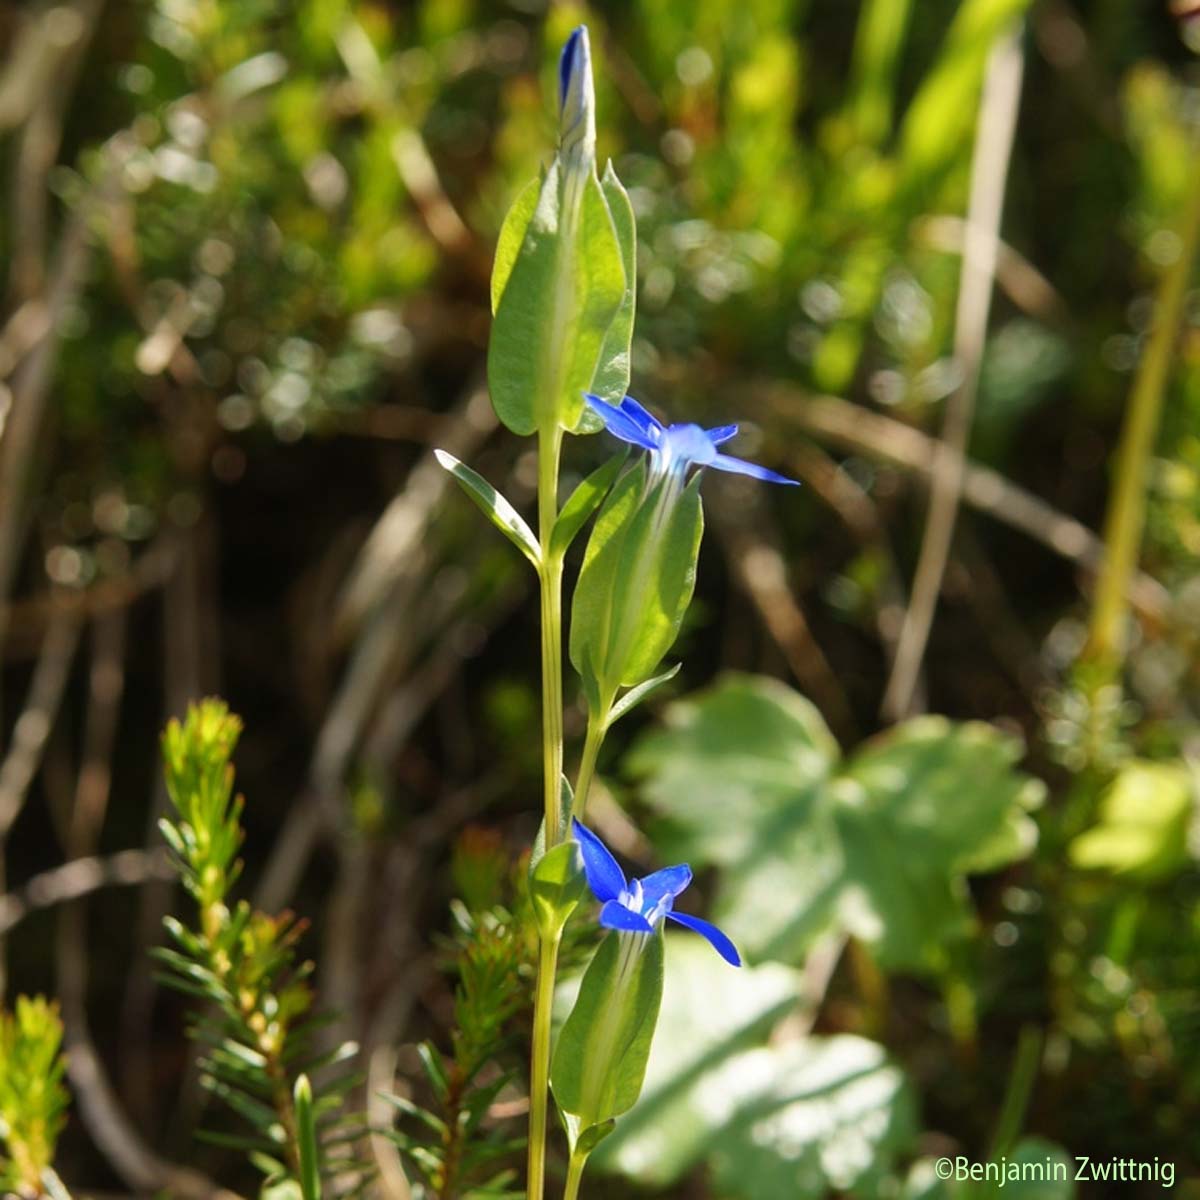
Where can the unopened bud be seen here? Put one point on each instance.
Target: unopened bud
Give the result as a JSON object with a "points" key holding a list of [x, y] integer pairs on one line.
{"points": [[577, 102]]}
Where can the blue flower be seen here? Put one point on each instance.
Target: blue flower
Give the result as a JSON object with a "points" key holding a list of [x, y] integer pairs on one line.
{"points": [[639, 905], [674, 448]]}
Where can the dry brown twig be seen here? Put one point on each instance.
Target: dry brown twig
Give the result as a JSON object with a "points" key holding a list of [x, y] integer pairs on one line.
{"points": [[32, 731], [759, 567], [852, 427], [989, 170], [833, 484], [80, 877]]}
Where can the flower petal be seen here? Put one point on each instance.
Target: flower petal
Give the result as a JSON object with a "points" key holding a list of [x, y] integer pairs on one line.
{"points": [[614, 915], [620, 424], [670, 881], [604, 876], [722, 433], [720, 943], [738, 466], [651, 425]]}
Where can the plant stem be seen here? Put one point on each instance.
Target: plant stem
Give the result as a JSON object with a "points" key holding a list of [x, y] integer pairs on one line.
{"points": [[550, 576], [574, 1175], [1127, 509], [1017, 1094], [597, 726], [550, 579], [539, 1085]]}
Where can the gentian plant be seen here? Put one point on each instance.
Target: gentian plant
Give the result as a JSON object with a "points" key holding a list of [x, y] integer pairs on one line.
{"points": [[563, 295]]}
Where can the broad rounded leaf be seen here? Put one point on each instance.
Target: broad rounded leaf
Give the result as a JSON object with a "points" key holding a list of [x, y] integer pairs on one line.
{"points": [[747, 777], [1143, 822], [562, 293], [512, 234], [794, 1120]]}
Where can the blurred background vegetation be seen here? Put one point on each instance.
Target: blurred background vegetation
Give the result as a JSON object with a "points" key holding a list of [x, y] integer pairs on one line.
{"points": [[246, 255]]}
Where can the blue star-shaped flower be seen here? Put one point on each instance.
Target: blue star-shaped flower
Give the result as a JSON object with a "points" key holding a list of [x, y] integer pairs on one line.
{"points": [[673, 448], [639, 905]]}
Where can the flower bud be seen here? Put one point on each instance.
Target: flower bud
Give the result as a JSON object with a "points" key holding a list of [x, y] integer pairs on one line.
{"points": [[577, 104]]}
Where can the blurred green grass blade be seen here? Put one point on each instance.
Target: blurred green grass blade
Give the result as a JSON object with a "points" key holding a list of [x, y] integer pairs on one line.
{"points": [[943, 112], [882, 26]]}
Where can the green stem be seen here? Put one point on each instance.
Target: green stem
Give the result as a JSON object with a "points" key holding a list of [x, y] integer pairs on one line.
{"points": [[1020, 1088], [597, 727], [550, 576], [550, 579], [1127, 508], [539, 1087], [574, 1175]]}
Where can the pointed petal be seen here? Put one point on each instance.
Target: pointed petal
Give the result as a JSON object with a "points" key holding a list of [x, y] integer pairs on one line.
{"points": [[738, 466], [614, 915], [643, 417], [720, 943], [574, 54], [619, 423], [722, 433], [604, 876], [670, 881]]}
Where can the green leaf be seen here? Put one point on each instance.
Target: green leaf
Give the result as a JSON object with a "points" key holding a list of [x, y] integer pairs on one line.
{"points": [[879, 847], [746, 744], [566, 798], [584, 501], [800, 1118], [584, 1141], [562, 293], [611, 380], [512, 234], [1142, 823], [280, 1189], [262, 1116], [556, 886], [600, 1059], [497, 509], [636, 695], [306, 1138], [431, 1060]]}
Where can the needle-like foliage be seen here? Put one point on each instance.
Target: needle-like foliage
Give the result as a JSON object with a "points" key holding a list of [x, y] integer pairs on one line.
{"points": [[256, 1019], [461, 1147], [33, 1098]]}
